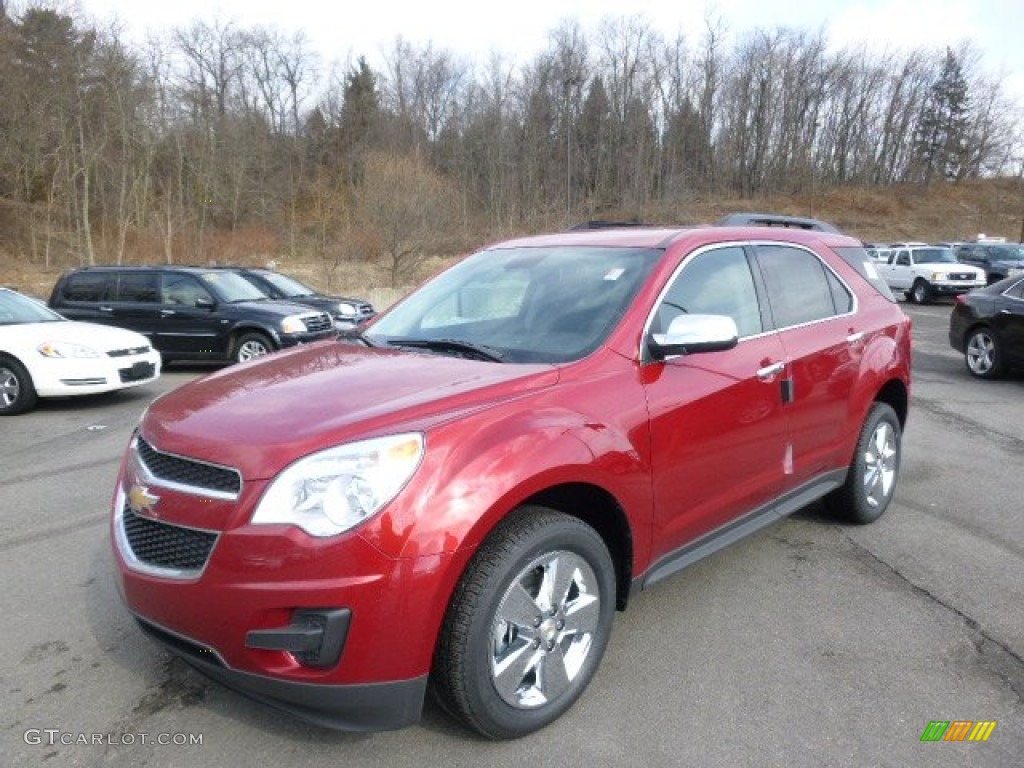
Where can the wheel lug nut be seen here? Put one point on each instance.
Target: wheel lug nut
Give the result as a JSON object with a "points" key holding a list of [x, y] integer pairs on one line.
{"points": [[537, 621], [551, 646], [553, 612], [536, 643], [560, 624]]}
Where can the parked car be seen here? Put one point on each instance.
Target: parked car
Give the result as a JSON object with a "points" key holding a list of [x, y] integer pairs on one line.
{"points": [[189, 313], [347, 312], [461, 494], [987, 327], [998, 260], [922, 272], [45, 355]]}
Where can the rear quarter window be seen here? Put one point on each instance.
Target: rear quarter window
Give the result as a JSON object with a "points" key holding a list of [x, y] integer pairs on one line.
{"points": [[857, 257], [86, 286]]}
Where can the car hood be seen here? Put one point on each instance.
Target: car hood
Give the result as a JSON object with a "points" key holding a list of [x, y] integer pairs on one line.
{"points": [[947, 267], [102, 338], [270, 307], [261, 416]]}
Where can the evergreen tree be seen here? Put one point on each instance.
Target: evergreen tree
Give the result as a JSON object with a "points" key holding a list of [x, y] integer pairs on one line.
{"points": [[942, 138]]}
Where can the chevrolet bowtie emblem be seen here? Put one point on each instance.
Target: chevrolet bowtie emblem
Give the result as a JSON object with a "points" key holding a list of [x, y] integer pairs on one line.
{"points": [[141, 501]]}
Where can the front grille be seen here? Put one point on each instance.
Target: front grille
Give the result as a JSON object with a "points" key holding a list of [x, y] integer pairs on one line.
{"points": [[138, 372], [318, 322], [128, 352], [960, 276], [188, 472], [162, 545]]}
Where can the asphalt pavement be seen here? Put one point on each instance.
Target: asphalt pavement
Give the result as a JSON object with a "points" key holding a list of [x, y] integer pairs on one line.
{"points": [[810, 644]]}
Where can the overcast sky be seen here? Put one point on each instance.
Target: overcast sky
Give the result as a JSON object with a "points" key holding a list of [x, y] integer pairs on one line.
{"points": [[338, 29]]}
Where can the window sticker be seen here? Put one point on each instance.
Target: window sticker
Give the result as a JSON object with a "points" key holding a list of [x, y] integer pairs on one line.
{"points": [[869, 268], [614, 274]]}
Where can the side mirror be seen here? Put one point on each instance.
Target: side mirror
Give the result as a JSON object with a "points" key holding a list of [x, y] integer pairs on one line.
{"points": [[206, 303], [692, 334]]}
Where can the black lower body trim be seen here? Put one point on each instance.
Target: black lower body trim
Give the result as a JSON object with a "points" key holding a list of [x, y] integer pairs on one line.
{"points": [[362, 707]]}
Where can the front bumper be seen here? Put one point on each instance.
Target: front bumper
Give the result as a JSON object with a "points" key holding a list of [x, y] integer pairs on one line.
{"points": [[954, 289], [296, 339], [92, 376], [353, 707]]}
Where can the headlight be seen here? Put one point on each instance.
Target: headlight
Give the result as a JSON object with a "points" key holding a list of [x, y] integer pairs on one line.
{"points": [[936, 276], [293, 324], [329, 492], [65, 349], [346, 310]]}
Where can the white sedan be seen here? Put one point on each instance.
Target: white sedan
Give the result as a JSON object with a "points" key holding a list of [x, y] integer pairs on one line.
{"points": [[45, 355]]}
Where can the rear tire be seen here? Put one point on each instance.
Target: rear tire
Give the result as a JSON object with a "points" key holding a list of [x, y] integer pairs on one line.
{"points": [[17, 392], [527, 625], [982, 354], [874, 470]]}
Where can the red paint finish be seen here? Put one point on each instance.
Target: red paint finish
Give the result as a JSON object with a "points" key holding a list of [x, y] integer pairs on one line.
{"points": [[679, 447]]}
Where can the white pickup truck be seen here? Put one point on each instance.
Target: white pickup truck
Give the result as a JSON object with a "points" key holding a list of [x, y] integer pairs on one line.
{"points": [[922, 272]]}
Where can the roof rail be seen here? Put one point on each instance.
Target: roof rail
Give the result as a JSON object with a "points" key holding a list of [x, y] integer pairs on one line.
{"points": [[604, 224], [775, 220]]}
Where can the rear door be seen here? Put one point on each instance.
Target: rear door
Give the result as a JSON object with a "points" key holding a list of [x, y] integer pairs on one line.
{"points": [[813, 312], [136, 304], [86, 296]]}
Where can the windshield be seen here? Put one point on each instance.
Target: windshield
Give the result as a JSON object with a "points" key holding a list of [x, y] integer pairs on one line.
{"points": [[230, 287], [289, 286], [526, 305], [1008, 252], [16, 309], [934, 256]]}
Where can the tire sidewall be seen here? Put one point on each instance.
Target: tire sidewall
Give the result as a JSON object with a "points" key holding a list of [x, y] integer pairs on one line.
{"points": [[995, 369], [247, 337], [505, 720], [879, 413], [27, 397], [919, 292]]}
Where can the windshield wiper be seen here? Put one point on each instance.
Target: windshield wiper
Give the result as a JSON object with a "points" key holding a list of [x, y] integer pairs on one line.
{"points": [[353, 334], [451, 345]]}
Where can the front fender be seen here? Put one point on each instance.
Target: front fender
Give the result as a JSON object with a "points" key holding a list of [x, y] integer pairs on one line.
{"points": [[478, 470]]}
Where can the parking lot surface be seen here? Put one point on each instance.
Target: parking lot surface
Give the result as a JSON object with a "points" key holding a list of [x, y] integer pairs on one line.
{"points": [[811, 644]]}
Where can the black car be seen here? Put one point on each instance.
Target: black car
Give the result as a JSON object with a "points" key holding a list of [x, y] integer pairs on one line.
{"points": [[987, 326], [347, 312], [189, 313], [998, 259]]}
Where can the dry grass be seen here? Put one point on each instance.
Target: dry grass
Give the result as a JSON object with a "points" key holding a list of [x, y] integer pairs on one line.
{"points": [[940, 212]]}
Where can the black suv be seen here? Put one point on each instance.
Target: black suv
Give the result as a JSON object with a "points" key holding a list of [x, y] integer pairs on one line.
{"points": [[347, 312], [189, 313], [998, 259]]}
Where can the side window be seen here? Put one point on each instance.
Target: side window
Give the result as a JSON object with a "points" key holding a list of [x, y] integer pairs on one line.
{"points": [[903, 259], [86, 286], [800, 288], [1016, 291], [139, 287], [715, 282], [182, 290]]}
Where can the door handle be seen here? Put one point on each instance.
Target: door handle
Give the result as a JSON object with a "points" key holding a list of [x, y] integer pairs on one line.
{"points": [[106, 309], [166, 312], [770, 371], [855, 338]]}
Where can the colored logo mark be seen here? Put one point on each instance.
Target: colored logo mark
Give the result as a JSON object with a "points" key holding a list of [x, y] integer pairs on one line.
{"points": [[958, 730]]}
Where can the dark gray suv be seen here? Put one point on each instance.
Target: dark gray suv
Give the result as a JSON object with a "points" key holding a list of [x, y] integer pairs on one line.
{"points": [[998, 259], [189, 313]]}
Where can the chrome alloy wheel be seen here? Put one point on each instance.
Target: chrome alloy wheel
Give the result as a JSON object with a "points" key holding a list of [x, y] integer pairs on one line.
{"points": [[981, 353], [544, 629], [880, 460], [250, 350], [10, 387]]}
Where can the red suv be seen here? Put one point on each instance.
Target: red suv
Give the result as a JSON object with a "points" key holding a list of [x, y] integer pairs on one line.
{"points": [[458, 498]]}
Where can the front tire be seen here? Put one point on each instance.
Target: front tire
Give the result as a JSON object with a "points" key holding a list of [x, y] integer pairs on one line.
{"points": [[527, 626], [920, 293], [17, 392], [871, 479], [982, 354], [249, 346]]}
